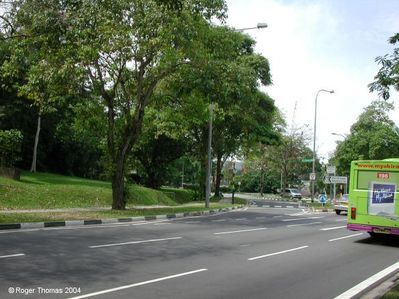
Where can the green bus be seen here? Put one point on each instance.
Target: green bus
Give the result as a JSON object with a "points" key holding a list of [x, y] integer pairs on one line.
{"points": [[374, 197]]}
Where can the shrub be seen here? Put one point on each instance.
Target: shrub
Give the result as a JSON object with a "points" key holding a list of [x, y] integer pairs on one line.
{"points": [[10, 147]]}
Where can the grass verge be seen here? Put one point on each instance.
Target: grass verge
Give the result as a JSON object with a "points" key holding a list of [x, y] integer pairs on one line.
{"points": [[51, 191], [392, 294]]}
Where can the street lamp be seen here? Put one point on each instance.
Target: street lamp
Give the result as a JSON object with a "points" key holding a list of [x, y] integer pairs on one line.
{"points": [[314, 140], [209, 163], [337, 134], [258, 26]]}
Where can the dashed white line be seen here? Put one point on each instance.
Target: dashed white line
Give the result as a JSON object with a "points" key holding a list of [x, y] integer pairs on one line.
{"points": [[240, 219], [277, 253], [240, 231], [333, 228], [299, 219], [357, 289], [346, 237], [135, 242], [260, 217], [138, 284], [219, 220], [11, 255], [304, 224], [341, 220]]}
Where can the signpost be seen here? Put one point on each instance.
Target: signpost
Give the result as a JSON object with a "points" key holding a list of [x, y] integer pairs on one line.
{"points": [[331, 169], [312, 176], [306, 160], [336, 180]]}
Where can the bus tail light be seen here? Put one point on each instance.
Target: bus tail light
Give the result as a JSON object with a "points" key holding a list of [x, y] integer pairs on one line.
{"points": [[353, 213]]}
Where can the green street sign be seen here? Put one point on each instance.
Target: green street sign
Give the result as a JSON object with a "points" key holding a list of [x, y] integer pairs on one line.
{"points": [[307, 160]]}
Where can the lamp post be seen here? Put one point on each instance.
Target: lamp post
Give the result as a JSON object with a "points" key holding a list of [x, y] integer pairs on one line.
{"points": [[337, 134], [314, 140], [209, 162], [258, 26]]}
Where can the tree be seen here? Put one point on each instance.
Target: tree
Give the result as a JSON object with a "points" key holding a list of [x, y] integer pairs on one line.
{"points": [[388, 75], [123, 49], [226, 73], [373, 136], [34, 31]]}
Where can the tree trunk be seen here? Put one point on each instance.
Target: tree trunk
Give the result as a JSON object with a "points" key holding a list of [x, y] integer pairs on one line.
{"points": [[118, 187], [218, 175], [262, 182], [34, 159]]}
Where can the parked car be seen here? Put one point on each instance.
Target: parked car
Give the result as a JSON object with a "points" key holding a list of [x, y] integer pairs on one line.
{"points": [[341, 204], [292, 193]]}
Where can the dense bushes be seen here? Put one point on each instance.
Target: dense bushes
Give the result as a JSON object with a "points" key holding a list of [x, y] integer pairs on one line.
{"points": [[10, 147]]}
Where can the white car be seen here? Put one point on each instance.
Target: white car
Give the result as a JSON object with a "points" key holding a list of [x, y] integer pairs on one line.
{"points": [[341, 204], [292, 193]]}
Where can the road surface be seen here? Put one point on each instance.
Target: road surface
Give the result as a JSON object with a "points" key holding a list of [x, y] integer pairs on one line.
{"points": [[259, 252]]}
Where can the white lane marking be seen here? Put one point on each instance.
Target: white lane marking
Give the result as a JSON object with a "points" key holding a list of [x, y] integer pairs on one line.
{"points": [[219, 220], [135, 242], [304, 224], [164, 223], [11, 255], [240, 231], [260, 217], [332, 228], [278, 206], [240, 219], [190, 222], [138, 284], [300, 219], [351, 293], [346, 237], [278, 216], [277, 253], [339, 220]]}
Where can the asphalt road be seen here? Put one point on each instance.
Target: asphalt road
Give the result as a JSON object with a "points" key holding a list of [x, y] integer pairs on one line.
{"points": [[260, 252]]}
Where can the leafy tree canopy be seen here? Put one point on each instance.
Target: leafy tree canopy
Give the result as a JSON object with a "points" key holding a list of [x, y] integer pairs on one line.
{"points": [[388, 75], [373, 136]]}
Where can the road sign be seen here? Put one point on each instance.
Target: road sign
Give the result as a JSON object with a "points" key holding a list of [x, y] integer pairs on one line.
{"points": [[339, 180], [331, 169], [307, 160], [312, 176], [327, 179]]}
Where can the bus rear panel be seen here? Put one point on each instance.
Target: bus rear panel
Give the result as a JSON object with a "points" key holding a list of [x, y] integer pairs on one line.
{"points": [[373, 197]]}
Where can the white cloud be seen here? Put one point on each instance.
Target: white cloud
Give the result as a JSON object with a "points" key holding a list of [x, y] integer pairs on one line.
{"points": [[309, 47]]}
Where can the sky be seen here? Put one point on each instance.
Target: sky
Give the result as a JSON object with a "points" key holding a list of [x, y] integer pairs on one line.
{"points": [[321, 44]]}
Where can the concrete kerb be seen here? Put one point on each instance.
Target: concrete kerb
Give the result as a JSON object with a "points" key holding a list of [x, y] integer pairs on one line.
{"points": [[72, 223]]}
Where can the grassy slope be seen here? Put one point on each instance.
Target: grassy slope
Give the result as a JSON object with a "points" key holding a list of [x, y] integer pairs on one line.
{"points": [[50, 191]]}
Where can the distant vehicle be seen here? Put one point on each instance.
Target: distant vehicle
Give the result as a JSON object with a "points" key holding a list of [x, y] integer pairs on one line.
{"points": [[373, 197], [341, 204], [292, 193]]}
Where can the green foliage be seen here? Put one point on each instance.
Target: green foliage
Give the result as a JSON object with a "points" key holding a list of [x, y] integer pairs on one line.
{"points": [[388, 75], [373, 136], [10, 147]]}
